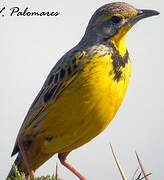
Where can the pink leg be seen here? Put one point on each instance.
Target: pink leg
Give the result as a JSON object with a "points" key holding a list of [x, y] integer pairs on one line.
{"points": [[63, 161], [26, 160]]}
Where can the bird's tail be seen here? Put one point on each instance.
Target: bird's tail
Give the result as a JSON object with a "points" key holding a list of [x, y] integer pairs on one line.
{"points": [[36, 161], [19, 163]]}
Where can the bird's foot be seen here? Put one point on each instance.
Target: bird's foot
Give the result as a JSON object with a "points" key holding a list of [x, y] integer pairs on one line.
{"points": [[63, 161], [26, 160]]}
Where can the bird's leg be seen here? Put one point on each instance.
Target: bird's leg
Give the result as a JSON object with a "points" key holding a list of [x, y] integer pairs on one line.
{"points": [[25, 157], [62, 158]]}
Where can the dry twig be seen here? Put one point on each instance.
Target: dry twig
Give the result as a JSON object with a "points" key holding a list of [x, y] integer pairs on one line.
{"points": [[142, 168], [118, 164]]}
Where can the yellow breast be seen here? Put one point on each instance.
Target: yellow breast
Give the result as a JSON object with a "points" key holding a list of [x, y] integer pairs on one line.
{"points": [[87, 106]]}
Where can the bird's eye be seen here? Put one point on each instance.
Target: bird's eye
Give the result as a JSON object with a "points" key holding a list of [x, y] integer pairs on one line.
{"points": [[115, 19]]}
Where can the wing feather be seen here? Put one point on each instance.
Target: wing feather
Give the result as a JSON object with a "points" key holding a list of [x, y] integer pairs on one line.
{"points": [[61, 76]]}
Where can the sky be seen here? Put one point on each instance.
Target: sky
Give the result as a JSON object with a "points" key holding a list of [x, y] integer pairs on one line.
{"points": [[30, 47]]}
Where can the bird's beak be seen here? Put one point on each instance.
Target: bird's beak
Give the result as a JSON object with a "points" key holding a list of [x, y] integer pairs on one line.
{"points": [[141, 14]]}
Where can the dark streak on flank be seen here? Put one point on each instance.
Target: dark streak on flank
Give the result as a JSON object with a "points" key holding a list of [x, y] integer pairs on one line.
{"points": [[56, 78], [27, 144], [58, 88], [73, 60], [48, 139], [62, 73], [49, 94], [74, 73], [75, 66], [69, 70], [50, 80]]}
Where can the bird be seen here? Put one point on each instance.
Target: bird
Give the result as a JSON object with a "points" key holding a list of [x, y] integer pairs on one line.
{"points": [[82, 92]]}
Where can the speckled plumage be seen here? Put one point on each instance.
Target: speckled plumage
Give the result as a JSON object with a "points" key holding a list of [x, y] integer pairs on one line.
{"points": [[83, 91]]}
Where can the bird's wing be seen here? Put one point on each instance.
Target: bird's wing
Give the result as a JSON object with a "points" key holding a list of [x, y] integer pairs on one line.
{"points": [[62, 75]]}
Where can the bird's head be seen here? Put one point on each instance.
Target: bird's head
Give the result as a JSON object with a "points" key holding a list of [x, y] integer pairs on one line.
{"points": [[113, 21]]}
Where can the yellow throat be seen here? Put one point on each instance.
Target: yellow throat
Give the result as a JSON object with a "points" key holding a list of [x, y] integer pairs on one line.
{"points": [[118, 39]]}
